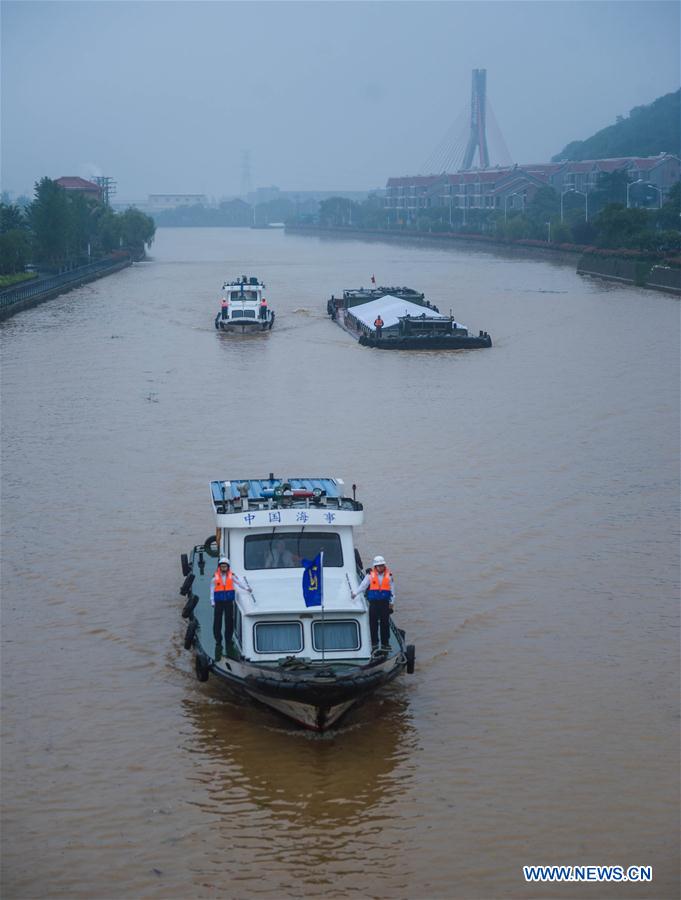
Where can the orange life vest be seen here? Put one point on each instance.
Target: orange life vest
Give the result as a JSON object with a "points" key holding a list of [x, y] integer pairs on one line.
{"points": [[379, 585], [379, 322], [224, 586]]}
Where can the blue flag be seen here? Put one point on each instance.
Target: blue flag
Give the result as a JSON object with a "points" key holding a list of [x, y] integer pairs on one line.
{"points": [[313, 580]]}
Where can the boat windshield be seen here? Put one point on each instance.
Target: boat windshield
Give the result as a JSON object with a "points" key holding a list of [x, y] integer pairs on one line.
{"points": [[244, 295], [288, 550]]}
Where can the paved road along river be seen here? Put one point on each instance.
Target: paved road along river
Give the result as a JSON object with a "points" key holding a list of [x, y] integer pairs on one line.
{"points": [[527, 498]]}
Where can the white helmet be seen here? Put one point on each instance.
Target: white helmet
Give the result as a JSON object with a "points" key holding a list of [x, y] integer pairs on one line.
{"points": [[379, 561], [223, 559]]}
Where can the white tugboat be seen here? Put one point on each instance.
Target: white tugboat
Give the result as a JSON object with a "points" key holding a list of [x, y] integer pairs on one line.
{"points": [[301, 641], [243, 307]]}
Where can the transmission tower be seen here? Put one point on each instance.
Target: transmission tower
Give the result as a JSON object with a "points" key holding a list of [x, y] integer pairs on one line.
{"points": [[477, 139], [108, 187]]}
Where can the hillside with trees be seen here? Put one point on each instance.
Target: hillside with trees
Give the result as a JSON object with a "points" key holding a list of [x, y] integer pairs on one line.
{"points": [[647, 131]]}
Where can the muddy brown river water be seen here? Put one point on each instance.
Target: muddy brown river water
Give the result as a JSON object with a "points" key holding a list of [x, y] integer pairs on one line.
{"points": [[527, 498]]}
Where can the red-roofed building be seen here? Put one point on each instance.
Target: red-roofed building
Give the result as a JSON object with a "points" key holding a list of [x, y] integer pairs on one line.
{"points": [[513, 187], [662, 171], [72, 183]]}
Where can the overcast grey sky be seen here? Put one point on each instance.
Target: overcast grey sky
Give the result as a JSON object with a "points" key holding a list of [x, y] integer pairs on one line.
{"points": [[166, 96]]}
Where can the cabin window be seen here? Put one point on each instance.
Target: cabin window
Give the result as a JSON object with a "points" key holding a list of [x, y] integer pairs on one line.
{"points": [[335, 635], [287, 550], [278, 637]]}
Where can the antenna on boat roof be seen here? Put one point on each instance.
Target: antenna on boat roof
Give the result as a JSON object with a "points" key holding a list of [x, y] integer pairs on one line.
{"points": [[354, 492], [271, 476]]}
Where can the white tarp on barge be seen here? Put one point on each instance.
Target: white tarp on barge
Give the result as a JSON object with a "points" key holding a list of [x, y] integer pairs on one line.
{"points": [[391, 308]]}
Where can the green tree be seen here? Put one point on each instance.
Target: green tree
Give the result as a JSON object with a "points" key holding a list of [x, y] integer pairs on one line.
{"points": [[583, 232], [338, 211], [543, 207], [50, 222], [611, 187], [11, 218], [518, 227], [15, 240], [15, 250], [108, 230], [136, 229], [83, 215], [668, 217], [618, 226]]}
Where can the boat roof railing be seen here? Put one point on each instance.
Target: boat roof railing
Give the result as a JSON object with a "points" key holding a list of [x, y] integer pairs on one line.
{"points": [[244, 281], [280, 493]]}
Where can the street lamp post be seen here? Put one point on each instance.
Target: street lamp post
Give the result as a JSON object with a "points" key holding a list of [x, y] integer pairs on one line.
{"points": [[659, 194], [648, 184], [444, 197], [508, 197], [629, 184], [575, 191]]}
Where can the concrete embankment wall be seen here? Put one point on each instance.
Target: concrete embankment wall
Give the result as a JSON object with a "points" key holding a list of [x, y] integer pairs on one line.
{"points": [[35, 292], [643, 274]]}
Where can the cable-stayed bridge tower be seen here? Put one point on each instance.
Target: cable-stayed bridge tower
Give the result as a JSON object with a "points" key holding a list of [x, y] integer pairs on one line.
{"points": [[468, 134], [477, 139]]}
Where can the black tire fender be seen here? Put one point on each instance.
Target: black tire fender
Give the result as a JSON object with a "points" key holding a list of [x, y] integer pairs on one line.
{"points": [[189, 606], [189, 636], [184, 562], [201, 668], [410, 653], [210, 545], [187, 584]]}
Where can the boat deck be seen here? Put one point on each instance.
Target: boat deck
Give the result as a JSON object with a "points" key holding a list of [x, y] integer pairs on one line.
{"points": [[203, 615]]}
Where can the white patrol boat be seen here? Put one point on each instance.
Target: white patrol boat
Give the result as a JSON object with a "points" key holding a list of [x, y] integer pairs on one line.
{"points": [[243, 307], [309, 660]]}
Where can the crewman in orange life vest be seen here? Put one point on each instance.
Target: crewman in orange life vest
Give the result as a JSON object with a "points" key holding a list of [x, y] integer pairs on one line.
{"points": [[381, 597], [224, 306], [263, 308], [222, 601], [379, 323]]}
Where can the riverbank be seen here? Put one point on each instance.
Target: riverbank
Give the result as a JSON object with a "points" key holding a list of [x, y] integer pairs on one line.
{"points": [[39, 290], [609, 265]]}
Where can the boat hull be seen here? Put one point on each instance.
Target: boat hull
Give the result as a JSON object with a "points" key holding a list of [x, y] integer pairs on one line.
{"points": [[315, 718], [441, 342], [312, 699], [250, 327]]}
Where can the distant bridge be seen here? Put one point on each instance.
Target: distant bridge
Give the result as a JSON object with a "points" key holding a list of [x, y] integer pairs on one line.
{"points": [[467, 137]]}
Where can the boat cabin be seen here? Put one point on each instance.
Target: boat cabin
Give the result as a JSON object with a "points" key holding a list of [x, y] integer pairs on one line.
{"points": [[243, 306], [422, 326], [270, 530], [244, 296]]}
